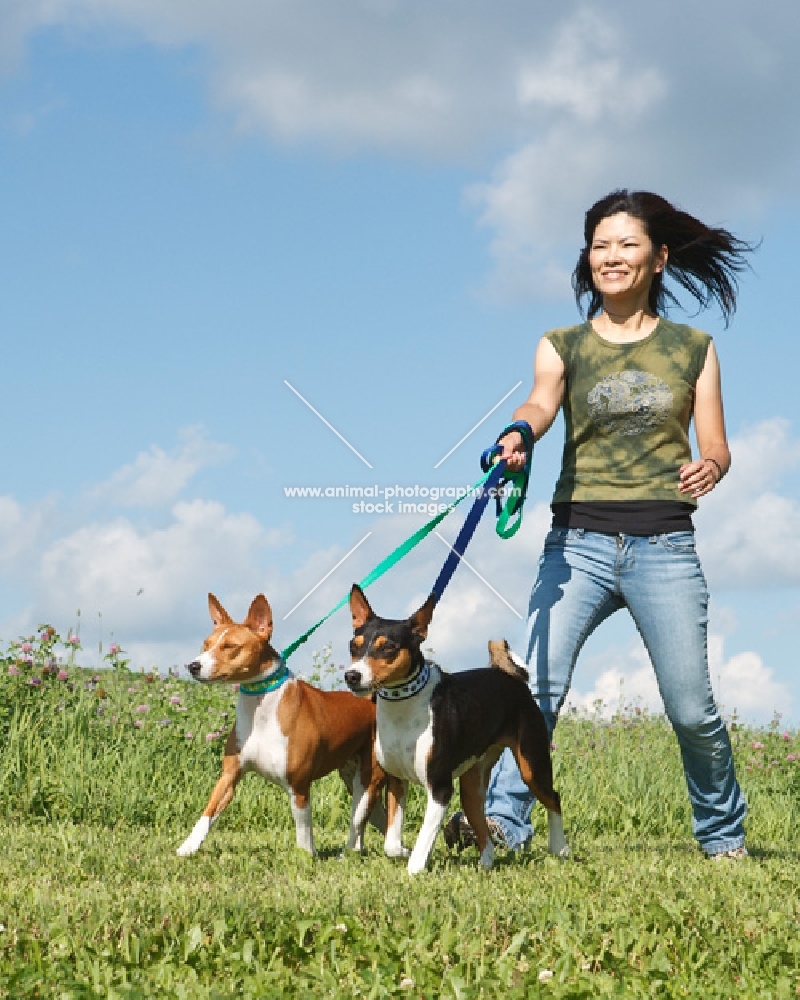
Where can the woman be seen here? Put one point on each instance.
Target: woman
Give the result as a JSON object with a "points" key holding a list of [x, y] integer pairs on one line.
{"points": [[630, 382]]}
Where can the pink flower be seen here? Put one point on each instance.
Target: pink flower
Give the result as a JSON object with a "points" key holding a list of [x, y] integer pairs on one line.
{"points": [[131, 690], [138, 723], [62, 675], [211, 736], [786, 736], [791, 756], [175, 700], [189, 736], [13, 670], [756, 745], [113, 649], [27, 647], [74, 640], [35, 681], [142, 708]]}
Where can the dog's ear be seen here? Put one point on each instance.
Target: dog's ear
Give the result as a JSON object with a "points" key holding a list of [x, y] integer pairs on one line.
{"points": [[219, 616], [421, 619], [359, 607], [259, 617]]}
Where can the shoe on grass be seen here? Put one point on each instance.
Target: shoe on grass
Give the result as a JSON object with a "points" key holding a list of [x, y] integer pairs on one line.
{"points": [[458, 834], [734, 854]]}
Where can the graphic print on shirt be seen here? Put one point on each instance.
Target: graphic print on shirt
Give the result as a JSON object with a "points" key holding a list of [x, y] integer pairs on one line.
{"points": [[629, 402]]}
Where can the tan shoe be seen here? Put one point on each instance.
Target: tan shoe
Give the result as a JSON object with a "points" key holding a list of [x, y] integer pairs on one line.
{"points": [[735, 854]]}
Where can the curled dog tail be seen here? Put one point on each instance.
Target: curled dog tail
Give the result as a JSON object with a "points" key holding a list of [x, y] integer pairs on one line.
{"points": [[502, 658]]}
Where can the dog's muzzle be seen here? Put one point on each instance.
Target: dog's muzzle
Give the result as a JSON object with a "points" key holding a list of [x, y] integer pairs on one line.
{"points": [[194, 668], [355, 681]]}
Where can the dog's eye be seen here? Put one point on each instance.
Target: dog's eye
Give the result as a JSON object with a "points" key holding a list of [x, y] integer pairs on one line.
{"points": [[387, 648]]}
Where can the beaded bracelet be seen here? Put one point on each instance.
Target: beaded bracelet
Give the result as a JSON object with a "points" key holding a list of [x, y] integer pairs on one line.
{"points": [[719, 467]]}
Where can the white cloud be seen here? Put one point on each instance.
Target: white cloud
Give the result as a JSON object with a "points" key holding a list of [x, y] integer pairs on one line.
{"points": [[748, 532], [583, 74], [576, 94], [150, 583], [20, 531], [156, 477], [743, 684]]}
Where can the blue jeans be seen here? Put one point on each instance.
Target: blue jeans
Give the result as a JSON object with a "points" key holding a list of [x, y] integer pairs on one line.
{"points": [[585, 576]]}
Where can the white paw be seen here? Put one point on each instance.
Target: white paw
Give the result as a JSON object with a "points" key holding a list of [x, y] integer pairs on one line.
{"points": [[564, 852], [416, 865], [396, 851], [195, 838], [487, 856]]}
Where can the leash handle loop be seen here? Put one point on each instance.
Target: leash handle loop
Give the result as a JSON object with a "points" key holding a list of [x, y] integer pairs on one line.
{"points": [[506, 514]]}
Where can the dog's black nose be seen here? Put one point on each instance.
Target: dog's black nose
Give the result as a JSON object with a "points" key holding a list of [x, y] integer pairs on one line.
{"points": [[194, 668], [352, 679]]}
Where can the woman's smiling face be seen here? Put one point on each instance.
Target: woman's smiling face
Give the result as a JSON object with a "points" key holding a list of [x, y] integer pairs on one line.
{"points": [[622, 257]]}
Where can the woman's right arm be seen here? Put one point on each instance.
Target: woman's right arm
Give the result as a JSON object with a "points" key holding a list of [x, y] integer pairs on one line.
{"points": [[541, 406]]}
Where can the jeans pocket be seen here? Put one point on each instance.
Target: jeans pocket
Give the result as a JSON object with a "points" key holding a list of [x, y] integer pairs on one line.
{"points": [[678, 541]]}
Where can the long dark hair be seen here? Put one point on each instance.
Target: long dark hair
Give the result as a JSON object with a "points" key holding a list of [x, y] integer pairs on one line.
{"points": [[705, 261]]}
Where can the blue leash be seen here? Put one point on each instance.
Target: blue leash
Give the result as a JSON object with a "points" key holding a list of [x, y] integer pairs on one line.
{"points": [[509, 516], [488, 490]]}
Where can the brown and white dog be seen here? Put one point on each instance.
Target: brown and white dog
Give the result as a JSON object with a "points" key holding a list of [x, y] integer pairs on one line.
{"points": [[434, 726], [286, 730]]}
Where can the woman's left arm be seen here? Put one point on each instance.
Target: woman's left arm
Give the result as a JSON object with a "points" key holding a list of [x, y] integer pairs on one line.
{"points": [[700, 477]]}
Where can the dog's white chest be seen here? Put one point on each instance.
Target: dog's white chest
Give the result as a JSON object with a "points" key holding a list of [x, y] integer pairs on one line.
{"points": [[404, 737], [264, 748]]}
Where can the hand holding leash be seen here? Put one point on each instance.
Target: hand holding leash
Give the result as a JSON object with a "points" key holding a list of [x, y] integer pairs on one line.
{"points": [[514, 451]]}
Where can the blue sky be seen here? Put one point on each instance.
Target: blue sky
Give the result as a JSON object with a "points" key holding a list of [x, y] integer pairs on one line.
{"points": [[379, 203]]}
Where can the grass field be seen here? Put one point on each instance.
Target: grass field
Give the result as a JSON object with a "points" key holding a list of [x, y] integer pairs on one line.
{"points": [[101, 777]]}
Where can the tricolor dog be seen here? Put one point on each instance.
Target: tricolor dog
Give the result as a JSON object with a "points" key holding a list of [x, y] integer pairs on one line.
{"points": [[434, 726], [286, 730]]}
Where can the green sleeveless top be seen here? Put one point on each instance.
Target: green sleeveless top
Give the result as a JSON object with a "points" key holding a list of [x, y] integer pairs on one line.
{"points": [[627, 409]]}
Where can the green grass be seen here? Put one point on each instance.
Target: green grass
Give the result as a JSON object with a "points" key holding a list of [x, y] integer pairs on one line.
{"points": [[95, 796]]}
